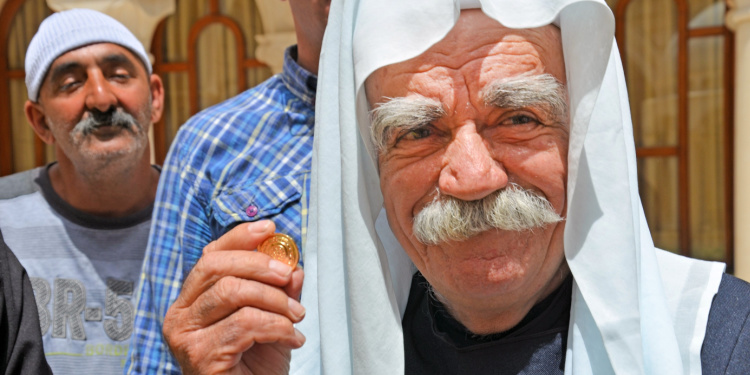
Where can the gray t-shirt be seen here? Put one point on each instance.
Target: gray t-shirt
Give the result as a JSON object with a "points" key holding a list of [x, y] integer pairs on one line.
{"points": [[83, 269]]}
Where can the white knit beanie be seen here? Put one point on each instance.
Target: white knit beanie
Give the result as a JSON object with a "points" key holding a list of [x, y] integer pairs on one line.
{"points": [[71, 29]]}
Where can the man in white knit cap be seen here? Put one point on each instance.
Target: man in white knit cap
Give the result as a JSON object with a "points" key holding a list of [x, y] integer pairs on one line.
{"points": [[80, 225]]}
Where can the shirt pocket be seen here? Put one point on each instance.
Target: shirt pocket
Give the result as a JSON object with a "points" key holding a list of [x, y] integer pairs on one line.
{"points": [[256, 201]]}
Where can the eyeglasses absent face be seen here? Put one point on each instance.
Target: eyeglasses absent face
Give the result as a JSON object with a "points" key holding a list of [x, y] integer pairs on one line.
{"points": [[471, 131], [96, 103]]}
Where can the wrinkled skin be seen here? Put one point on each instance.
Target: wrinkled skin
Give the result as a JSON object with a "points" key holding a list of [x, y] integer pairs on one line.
{"points": [[237, 309], [108, 171], [488, 282]]}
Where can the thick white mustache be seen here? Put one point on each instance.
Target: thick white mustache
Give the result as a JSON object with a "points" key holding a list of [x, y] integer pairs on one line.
{"points": [[513, 208]]}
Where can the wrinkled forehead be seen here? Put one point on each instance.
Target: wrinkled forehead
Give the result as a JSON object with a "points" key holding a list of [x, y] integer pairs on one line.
{"points": [[476, 50], [388, 32]]}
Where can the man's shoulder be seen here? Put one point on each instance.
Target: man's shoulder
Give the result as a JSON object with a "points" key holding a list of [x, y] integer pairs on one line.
{"points": [[727, 342], [733, 297], [259, 116], [267, 96], [19, 184]]}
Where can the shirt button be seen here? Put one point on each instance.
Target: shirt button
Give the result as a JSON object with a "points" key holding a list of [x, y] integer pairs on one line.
{"points": [[251, 210]]}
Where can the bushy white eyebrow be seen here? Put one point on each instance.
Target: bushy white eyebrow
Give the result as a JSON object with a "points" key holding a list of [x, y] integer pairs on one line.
{"points": [[415, 111], [397, 114], [528, 91]]}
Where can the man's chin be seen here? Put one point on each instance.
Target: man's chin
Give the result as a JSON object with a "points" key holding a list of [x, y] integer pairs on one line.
{"points": [[489, 262], [478, 285], [489, 272], [109, 149]]}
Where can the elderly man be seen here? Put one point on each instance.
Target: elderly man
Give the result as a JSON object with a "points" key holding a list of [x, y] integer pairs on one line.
{"points": [[244, 160], [497, 134], [80, 225]]}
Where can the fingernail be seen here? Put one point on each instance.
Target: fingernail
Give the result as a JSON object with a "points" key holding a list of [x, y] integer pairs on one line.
{"points": [[260, 226], [296, 308], [299, 336], [280, 268]]}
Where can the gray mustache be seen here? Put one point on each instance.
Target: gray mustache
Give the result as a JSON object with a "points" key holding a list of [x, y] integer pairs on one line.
{"points": [[512, 209], [112, 117]]}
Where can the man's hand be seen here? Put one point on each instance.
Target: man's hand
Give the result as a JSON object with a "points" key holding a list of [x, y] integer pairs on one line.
{"points": [[236, 310]]}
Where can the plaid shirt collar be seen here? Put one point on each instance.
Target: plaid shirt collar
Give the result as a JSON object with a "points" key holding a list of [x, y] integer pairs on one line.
{"points": [[298, 80]]}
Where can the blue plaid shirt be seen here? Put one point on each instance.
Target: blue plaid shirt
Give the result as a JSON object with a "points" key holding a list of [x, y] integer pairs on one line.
{"points": [[245, 159]]}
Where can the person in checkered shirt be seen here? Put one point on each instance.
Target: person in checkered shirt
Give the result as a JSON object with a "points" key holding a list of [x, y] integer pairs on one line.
{"points": [[240, 169]]}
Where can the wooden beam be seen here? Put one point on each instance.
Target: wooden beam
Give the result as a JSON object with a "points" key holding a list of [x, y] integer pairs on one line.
{"points": [[192, 55], [683, 129], [729, 148], [649, 152], [7, 14], [706, 31]]}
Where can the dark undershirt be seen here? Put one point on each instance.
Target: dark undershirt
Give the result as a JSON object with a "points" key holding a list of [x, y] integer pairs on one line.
{"points": [[537, 345], [84, 219], [435, 343]]}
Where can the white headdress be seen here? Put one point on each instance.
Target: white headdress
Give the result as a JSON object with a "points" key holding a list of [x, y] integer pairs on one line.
{"points": [[635, 309]]}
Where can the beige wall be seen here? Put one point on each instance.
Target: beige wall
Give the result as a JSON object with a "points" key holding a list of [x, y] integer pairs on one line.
{"points": [[278, 29], [140, 16], [738, 20]]}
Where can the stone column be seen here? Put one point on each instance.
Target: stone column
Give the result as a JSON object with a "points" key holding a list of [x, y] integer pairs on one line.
{"points": [[738, 20]]}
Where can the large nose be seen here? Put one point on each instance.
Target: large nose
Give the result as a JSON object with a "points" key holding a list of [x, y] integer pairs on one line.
{"points": [[99, 94], [469, 171]]}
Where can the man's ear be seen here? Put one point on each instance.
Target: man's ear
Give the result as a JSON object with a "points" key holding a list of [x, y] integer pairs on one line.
{"points": [[38, 121], [157, 98]]}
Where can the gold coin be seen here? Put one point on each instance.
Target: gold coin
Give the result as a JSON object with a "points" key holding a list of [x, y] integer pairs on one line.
{"points": [[282, 248]]}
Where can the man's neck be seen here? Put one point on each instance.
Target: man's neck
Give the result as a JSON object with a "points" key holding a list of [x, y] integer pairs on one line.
{"points": [[308, 54], [112, 192], [486, 318], [550, 313]]}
